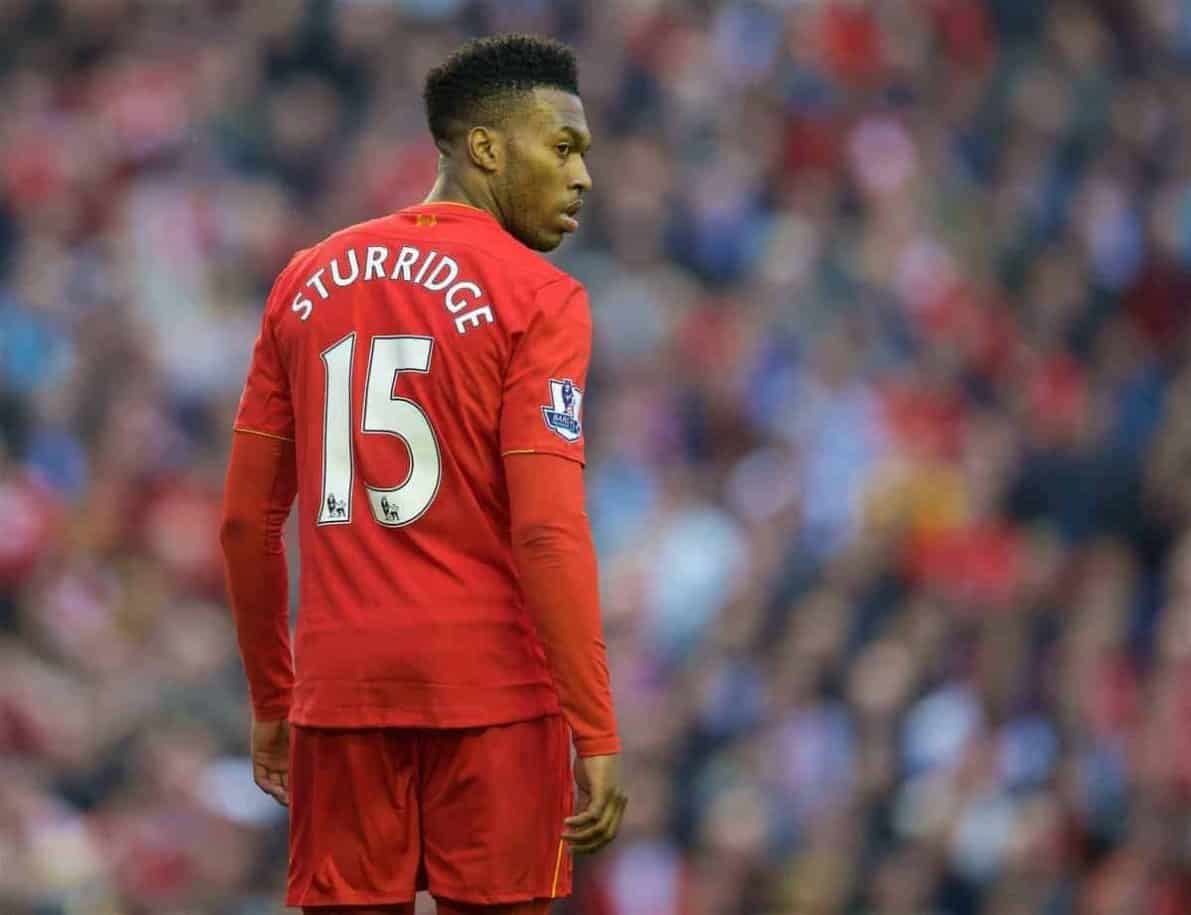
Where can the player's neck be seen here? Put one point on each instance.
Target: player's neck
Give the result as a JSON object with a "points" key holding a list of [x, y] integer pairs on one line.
{"points": [[448, 189]]}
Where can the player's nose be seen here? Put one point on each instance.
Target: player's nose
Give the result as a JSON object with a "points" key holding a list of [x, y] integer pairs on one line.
{"points": [[581, 179]]}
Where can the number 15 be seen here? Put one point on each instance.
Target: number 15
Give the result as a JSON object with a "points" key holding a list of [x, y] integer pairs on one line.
{"points": [[384, 414]]}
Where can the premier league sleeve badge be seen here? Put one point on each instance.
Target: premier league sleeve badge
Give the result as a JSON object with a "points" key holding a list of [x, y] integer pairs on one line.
{"points": [[562, 416]]}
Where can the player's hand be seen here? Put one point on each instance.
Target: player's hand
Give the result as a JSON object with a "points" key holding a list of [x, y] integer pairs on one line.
{"points": [[270, 758], [599, 783]]}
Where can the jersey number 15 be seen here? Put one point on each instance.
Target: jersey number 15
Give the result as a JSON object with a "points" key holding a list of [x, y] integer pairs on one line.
{"points": [[384, 414]]}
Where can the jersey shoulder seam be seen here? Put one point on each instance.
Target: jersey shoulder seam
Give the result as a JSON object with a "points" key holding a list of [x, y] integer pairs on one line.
{"points": [[245, 429]]}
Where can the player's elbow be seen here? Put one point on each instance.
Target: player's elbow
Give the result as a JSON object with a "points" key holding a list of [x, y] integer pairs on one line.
{"points": [[550, 539], [237, 529], [525, 529], [539, 534]]}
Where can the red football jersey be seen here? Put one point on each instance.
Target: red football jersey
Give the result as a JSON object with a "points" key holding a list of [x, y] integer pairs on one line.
{"points": [[404, 357]]}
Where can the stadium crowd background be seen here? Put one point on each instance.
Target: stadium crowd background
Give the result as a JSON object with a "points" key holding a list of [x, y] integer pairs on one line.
{"points": [[889, 432]]}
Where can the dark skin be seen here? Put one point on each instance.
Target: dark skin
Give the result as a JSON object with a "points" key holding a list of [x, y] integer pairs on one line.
{"points": [[526, 168], [270, 758]]}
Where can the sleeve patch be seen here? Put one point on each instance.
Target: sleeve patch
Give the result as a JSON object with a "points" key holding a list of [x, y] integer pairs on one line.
{"points": [[562, 414]]}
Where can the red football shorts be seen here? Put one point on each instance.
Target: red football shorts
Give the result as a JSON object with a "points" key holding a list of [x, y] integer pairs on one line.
{"points": [[474, 814]]}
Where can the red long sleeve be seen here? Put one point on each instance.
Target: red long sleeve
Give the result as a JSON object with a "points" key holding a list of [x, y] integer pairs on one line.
{"points": [[556, 564], [261, 483]]}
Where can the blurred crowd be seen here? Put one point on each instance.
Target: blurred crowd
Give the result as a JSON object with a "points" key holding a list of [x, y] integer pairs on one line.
{"points": [[889, 431]]}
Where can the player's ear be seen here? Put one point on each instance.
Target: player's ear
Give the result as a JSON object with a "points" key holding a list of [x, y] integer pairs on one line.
{"points": [[485, 148]]}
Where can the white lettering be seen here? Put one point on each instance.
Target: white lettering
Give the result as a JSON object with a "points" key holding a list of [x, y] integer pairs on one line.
{"points": [[317, 282], [474, 318], [426, 266], [436, 273], [302, 304], [374, 264], [340, 281], [454, 307], [436, 282], [405, 259]]}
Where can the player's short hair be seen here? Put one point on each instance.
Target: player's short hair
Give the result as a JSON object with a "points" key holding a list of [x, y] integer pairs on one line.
{"points": [[477, 77]]}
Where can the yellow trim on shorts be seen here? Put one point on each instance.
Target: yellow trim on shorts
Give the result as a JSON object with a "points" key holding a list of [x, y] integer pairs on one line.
{"points": [[557, 868]]}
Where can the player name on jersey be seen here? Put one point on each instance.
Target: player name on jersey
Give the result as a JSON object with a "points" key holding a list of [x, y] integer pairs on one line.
{"points": [[432, 271]]}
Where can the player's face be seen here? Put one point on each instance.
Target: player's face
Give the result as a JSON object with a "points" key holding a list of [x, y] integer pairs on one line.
{"points": [[545, 176]]}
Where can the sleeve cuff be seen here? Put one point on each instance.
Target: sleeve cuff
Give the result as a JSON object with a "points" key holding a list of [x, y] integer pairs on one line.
{"points": [[597, 746], [273, 710]]}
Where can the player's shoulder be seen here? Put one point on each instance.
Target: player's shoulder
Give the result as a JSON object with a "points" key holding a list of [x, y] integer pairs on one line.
{"points": [[560, 294], [526, 277], [549, 278], [285, 279], [540, 283]]}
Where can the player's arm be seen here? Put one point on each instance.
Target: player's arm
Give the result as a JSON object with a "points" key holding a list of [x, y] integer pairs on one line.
{"points": [[542, 442], [556, 564], [261, 481], [260, 488]]}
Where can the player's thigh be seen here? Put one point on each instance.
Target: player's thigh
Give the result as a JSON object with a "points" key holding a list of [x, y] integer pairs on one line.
{"points": [[404, 909], [354, 835], [493, 804], [533, 907]]}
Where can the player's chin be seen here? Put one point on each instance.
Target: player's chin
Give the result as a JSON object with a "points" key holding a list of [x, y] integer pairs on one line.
{"points": [[547, 239], [553, 230]]}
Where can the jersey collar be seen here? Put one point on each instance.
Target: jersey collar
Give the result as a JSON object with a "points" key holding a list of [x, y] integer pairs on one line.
{"points": [[464, 210]]}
